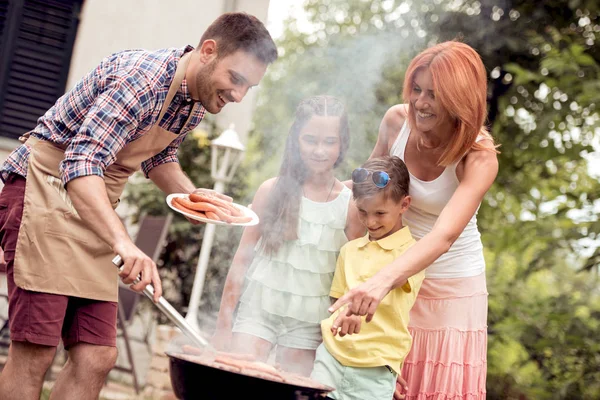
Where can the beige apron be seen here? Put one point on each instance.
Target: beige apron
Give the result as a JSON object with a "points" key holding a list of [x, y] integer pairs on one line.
{"points": [[56, 251]]}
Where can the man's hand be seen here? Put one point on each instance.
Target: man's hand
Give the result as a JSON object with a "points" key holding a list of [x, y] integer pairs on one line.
{"points": [[346, 324], [170, 178], [136, 263], [208, 192], [364, 298]]}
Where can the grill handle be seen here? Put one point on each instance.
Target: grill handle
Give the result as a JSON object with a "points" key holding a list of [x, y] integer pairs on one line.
{"points": [[167, 309]]}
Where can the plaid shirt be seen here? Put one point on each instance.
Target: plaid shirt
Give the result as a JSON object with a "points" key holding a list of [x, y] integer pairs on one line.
{"points": [[113, 105]]}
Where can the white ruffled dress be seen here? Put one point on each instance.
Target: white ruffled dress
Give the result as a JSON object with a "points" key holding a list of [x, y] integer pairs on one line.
{"points": [[295, 281]]}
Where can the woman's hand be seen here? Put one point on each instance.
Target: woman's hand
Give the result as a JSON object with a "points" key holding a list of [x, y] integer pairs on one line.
{"points": [[364, 298]]}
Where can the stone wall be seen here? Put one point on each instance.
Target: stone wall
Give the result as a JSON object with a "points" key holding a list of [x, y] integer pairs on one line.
{"points": [[158, 382]]}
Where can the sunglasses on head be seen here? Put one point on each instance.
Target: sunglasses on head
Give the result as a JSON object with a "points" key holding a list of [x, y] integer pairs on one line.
{"points": [[380, 178]]}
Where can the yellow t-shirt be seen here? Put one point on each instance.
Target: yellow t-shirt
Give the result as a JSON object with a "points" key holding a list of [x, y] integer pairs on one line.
{"points": [[385, 340]]}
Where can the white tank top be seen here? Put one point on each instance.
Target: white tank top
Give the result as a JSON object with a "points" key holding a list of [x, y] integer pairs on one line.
{"points": [[465, 256]]}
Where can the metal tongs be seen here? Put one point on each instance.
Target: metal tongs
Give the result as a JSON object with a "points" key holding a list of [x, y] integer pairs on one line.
{"points": [[167, 309]]}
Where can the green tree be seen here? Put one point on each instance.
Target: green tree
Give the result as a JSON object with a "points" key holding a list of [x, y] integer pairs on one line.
{"points": [[543, 111]]}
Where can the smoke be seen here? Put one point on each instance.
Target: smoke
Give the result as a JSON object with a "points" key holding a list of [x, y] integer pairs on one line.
{"points": [[356, 69], [352, 68]]}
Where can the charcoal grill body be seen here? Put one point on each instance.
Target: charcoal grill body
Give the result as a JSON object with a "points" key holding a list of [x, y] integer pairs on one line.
{"points": [[194, 381]]}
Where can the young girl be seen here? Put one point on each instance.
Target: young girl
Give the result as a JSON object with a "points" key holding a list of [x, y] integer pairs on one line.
{"points": [[288, 260]]}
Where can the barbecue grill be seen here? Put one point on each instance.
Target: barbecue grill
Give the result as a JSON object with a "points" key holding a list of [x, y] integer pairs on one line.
{"points": [[193, 380], [196, 380]]}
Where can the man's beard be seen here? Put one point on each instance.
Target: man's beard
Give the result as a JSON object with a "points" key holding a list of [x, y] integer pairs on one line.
{"points": [[204, 87]]}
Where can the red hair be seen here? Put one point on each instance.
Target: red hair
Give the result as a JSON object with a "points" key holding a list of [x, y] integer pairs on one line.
{"points": [[460, 85]]}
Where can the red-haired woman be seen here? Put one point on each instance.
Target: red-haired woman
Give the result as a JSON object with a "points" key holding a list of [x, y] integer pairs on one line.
{"points": [[452, 160]]}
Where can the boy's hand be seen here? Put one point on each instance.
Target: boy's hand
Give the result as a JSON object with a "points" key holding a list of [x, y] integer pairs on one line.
{"points": [[364, 298], [346, 324], [401, 389]]}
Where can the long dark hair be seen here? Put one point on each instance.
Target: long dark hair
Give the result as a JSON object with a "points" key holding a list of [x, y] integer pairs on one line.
{"points": [[280, 221]]}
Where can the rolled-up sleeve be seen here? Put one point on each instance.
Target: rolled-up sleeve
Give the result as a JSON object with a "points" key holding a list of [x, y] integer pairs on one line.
{"points": [[166, 156], [113, 118]]}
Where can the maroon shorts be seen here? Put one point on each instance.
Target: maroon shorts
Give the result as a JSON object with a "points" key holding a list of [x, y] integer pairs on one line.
{"points": [[44, 318]]}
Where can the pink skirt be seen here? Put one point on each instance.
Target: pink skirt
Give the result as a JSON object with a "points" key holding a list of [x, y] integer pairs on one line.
{"points": [[448, 323]]}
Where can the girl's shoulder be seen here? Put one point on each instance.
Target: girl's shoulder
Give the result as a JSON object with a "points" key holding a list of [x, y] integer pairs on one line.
{"points": [[268, 184], [341, 188], [262, 195], [266, 187]]}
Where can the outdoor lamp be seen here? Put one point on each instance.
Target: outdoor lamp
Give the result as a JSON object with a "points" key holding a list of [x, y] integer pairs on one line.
{"points": [[227, 152]]}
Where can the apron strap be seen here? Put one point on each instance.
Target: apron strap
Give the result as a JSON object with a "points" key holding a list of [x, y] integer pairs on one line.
{"points": [[177, 79]]}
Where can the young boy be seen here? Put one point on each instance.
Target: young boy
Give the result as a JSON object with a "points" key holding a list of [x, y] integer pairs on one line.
{"points": [[365, 366]]}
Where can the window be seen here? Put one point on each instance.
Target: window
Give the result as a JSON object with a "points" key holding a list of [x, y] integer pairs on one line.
{"points": [[36, 42]]}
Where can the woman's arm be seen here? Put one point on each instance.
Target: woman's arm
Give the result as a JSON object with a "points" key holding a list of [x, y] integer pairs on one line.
{"points": [[480, 170], [241, 261], [388, 130]]}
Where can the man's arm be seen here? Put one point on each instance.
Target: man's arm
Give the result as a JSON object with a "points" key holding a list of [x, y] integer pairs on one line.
{"points": [[170, 178], [88, 194], [113, 118]]}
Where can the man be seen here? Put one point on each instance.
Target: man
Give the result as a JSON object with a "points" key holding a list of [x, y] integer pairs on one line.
{"points": [[58, 226]]}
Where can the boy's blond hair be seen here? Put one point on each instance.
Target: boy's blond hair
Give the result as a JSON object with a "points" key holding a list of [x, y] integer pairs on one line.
{"points": [[397, 188]]}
